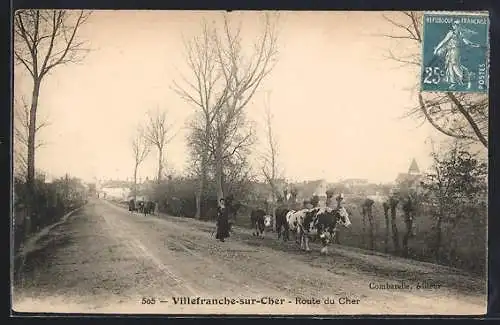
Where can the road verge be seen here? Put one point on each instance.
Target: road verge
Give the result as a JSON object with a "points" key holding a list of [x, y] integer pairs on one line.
{"points": [[19, 258]]}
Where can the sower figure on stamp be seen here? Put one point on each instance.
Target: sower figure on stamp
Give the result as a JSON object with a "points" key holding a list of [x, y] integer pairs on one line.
{"points": [[449, 49], [222, 221]]}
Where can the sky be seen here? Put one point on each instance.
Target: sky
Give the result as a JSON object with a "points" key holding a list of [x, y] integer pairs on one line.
{"points": [[338, 102]]}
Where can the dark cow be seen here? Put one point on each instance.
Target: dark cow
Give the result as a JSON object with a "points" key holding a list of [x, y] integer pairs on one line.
{"points": [[281, 223], [320, 223], [140, 206], [149, 208], [131, 205], [259, 221]]}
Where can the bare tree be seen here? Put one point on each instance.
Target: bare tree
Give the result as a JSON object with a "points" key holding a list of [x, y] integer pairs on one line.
{"points": [[270, 158], [224, 81], [243, 75], [207, 94], [158, 133], [43, 40], [459, 115], [140, 149]]}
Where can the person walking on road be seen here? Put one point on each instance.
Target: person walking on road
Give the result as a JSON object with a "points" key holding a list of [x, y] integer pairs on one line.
{"points": [[222, 221]]}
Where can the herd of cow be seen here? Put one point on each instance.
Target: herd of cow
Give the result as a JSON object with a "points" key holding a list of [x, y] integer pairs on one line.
{"points": [[314, 223], [146, 207], [319, 222]]}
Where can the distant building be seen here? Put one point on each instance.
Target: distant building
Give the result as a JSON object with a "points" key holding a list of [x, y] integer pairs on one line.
{"points": [[354, 182], [262, 190], [119, 193], [411, 179], [306, 190]]}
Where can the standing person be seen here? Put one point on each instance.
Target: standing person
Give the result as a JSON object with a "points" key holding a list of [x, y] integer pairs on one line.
{"points": [[222, 221]]}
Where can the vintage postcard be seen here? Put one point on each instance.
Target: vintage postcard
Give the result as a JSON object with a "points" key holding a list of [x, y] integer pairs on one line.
{"points": [[269, 163]]}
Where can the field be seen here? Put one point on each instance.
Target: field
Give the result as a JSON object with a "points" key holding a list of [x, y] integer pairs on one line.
{"points": [[470, 256]]}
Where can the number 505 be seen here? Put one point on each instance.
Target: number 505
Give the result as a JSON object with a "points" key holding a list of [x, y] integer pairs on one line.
{"points": [[432, 75], [148, 301]]}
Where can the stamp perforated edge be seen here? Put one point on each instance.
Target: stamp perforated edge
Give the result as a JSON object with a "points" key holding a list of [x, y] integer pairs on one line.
{"points": [[452, 13]]}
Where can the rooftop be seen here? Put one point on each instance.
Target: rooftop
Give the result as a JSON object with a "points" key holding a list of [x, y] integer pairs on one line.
{"points": [[413, 167]]}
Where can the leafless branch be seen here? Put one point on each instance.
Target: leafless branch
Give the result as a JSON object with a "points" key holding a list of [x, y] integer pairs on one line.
{"points": [[140, 147], [158, 133], [43, 40], [461, 116], [223, 79]]}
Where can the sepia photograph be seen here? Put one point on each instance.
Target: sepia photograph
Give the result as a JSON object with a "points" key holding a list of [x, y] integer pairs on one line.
{"points": [[249, 162]]}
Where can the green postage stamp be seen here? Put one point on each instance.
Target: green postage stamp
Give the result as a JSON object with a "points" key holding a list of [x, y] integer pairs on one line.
{"points": [[455, 52]]}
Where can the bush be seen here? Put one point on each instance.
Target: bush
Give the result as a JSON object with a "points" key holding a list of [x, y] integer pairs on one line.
{"points": [[47, 204]]}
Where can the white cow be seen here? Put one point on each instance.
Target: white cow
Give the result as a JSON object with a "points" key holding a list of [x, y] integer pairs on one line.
{"points": [[321, 223]]}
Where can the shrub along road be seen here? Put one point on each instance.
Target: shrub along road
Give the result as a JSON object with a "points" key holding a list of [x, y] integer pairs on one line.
{"points": [[104, 259]]}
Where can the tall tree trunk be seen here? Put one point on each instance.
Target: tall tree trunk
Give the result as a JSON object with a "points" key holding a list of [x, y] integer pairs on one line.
{"points": [[395, 235], [201, 187], [198, 198], [219, 173], [363, 212], [160, 163], [372, 230], [273, 209], [368, 214], [409, 228], [32, 132], [30, 179], [437, 247], [386, 215], [409, 213], [135, 181]]}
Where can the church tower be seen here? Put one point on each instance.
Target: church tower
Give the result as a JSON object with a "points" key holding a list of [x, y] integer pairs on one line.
{"points": [[414, 170]]}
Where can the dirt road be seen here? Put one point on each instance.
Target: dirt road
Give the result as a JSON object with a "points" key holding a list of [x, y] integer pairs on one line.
{"points": [[104, 259]]}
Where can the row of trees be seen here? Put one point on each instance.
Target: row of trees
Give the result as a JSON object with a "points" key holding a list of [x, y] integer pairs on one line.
{"points": [[223, 79], [157, 132], [449, 204]]}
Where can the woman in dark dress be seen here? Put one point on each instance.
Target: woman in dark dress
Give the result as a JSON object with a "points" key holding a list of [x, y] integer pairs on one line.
{"points": [[222, 221]]}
